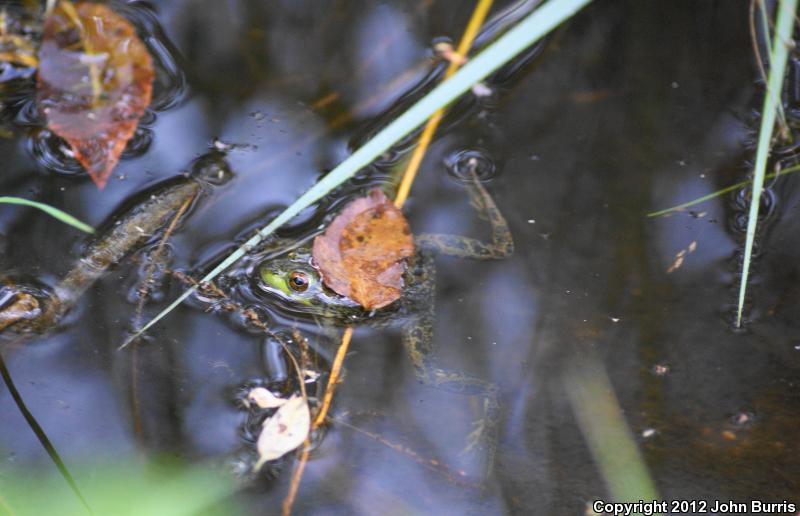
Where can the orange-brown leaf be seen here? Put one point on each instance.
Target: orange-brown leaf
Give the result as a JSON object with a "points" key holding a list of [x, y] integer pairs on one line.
{"points": [[95, 81], [362, 253]]}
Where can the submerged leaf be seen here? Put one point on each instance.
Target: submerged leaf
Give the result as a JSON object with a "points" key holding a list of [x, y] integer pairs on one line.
{"points": [[284, 431], [361, 254], [95, 81]]}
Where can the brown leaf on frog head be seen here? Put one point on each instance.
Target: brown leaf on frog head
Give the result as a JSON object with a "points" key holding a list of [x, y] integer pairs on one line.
{"points": [[361, 253], [95, 81]]}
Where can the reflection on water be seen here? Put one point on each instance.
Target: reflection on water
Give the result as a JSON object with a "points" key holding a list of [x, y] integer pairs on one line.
{"points": [[633, 107]]}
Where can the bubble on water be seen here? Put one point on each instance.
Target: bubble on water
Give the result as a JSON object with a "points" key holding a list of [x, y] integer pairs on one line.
{"points": [[461, 164], [212, 168], [740, 205], [54, 154], [169, 84], [482, 90], [661, 369], [647, 433], [139, 143], [28, 113], [743, 419]]}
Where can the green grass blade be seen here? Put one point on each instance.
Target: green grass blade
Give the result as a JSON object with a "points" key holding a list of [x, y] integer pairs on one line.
{"points": [[699, 200], [66, 218], [778, 58], [532, 28], [712, 195]]}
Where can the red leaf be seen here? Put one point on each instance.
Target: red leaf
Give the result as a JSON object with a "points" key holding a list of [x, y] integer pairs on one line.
{"points": [[95, 81], [361, 254]]}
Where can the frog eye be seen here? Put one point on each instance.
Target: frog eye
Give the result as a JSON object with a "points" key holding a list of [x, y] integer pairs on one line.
{"points": [[298, 281]]}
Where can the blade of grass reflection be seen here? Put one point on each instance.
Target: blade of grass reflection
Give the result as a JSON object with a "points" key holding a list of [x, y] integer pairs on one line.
{"points": [[40, 433], [604, 428], [780, 55]]}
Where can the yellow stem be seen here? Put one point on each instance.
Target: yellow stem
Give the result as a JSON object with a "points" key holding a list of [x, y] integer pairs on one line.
{"points": [[475, 22], [297, 474]]}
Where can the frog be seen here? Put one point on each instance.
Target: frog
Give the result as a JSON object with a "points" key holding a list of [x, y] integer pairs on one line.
{"points": [[293, 280]]}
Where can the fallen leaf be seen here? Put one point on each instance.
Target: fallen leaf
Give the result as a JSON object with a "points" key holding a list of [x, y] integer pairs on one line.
{"points": [[284, 431], [95, 81], [361, 255], [15, 47], [264, 399]]}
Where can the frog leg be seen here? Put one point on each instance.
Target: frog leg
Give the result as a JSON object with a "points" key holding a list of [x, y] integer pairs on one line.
{"points": [[419, 344], [501, 245]]}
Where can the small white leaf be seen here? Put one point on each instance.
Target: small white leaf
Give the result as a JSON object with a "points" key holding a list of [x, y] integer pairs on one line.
{"points": [[284, 431], [264, 399]]}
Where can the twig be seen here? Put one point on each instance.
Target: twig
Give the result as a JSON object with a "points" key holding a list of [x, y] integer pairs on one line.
{"points": [[336, 369], [754, 41], [455, 477]]}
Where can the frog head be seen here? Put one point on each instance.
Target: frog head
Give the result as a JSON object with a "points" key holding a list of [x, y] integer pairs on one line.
{"points": [[294, 280]]}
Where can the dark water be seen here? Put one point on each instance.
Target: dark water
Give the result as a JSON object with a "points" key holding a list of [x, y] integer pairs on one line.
{"points": [[634, 106]]}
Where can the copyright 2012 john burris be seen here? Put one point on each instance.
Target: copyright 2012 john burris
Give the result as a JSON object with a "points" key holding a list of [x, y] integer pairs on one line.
{"points": [[693, 507]]}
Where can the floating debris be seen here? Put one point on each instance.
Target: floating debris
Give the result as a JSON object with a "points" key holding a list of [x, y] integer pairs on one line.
{"points": [[284, 431]]}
